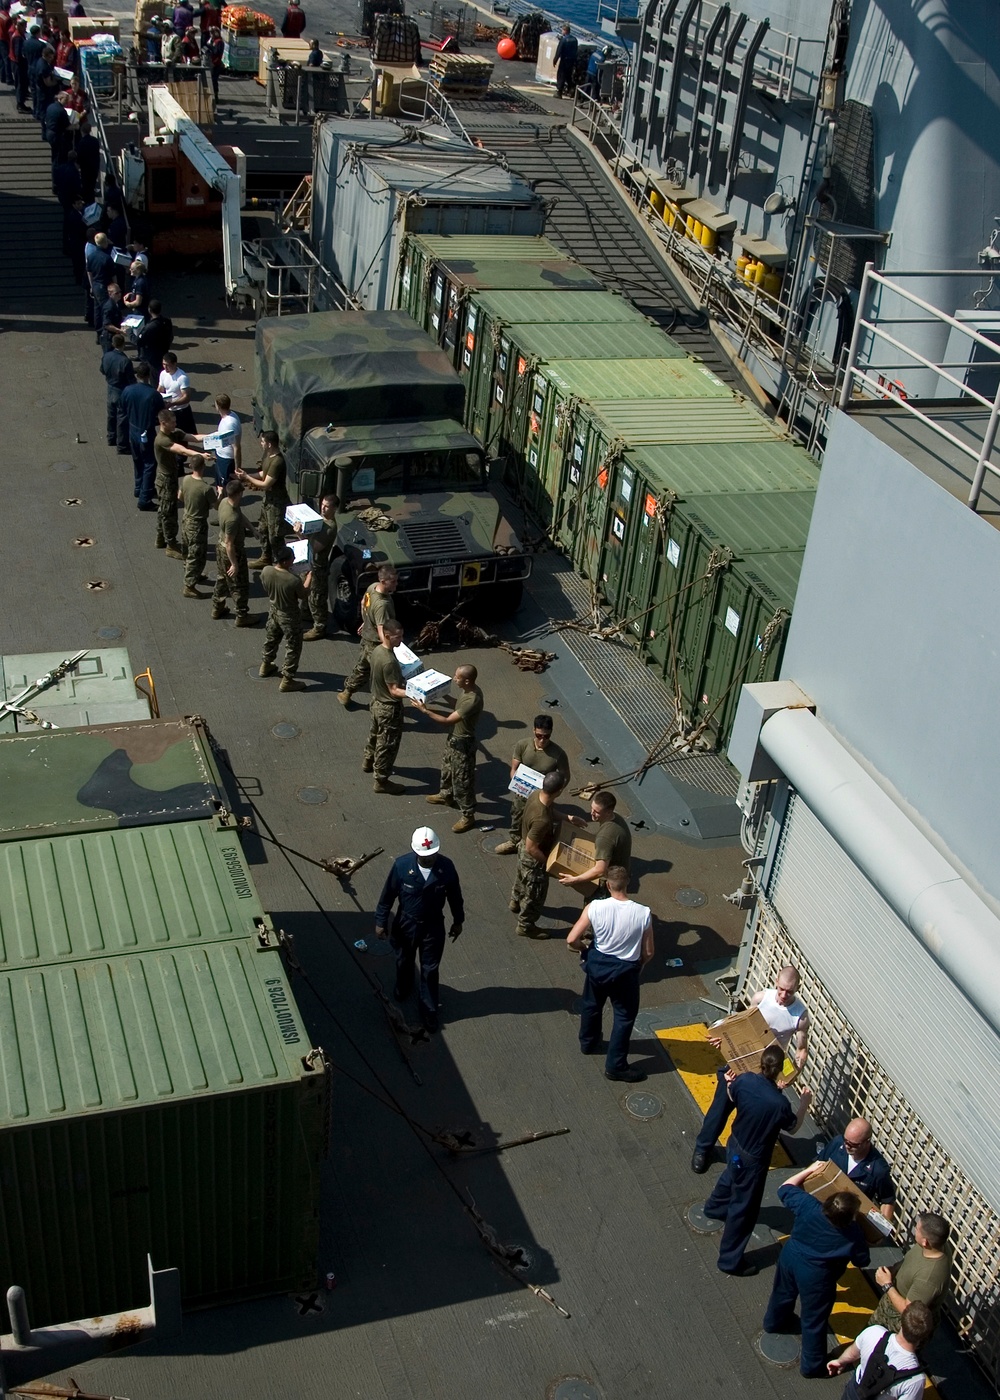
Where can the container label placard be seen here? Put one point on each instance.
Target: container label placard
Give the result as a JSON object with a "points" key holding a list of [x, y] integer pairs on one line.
{"points": [[625, 490], [732, 621], [650, 506], [234, 864], [673, 553], [618, 525], [282, 1010]]}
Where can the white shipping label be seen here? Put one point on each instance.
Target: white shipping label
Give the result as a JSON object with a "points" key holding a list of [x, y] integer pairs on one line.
{"points": [[732, 621], [673, 553]]}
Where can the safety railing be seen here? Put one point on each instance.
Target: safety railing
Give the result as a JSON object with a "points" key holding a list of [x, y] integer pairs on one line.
{"points": [[872, 323]]}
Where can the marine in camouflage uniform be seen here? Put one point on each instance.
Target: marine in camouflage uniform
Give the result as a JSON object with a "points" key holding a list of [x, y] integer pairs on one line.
{"points": [[540, 753], [539, 831], [458, 771], [170, 447], [198, 496], [284, 619], [322, 552], [272, 480], [377, 608], [230, 553], [386, 710]]}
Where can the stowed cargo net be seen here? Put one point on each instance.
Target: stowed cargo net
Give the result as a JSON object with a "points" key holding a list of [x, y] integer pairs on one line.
{"points": [[396, 39]]}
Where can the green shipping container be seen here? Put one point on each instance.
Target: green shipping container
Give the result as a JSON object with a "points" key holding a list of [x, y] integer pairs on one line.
{"points": [[157, 1103], [724, 569], [108, 776], [423, 251]]}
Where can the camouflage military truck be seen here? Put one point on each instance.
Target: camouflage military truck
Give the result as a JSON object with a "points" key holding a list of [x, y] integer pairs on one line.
{"points": [[367, 406]]}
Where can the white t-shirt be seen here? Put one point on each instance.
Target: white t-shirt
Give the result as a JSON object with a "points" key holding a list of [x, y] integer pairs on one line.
{"points": [[170, 385], [618, 926], [910, 1389], [229, 423], [425, 870], [783, 1020]]}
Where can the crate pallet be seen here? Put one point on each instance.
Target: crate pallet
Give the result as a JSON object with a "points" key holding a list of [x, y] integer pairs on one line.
{"points": [[461, 68]]}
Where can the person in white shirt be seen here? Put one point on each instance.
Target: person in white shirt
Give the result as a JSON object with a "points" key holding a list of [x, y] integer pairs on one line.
{"points": [[175, 390], [228, 457], [785, 1013], [622, 945], [878, 1355]]}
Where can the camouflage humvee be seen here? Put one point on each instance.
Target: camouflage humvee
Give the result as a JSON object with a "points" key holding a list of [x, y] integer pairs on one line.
{"points": [[368, 407]]}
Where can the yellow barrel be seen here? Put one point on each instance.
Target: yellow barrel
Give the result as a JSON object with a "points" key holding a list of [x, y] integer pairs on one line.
{"points": [[759, 273], [772, 283], [742, 262], [671, 215], [707, 237], [748, 271], [657, 201], [689, 226]]}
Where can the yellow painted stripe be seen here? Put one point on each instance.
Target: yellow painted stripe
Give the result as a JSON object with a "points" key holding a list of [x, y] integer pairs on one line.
{"points": [[697, 1062]]}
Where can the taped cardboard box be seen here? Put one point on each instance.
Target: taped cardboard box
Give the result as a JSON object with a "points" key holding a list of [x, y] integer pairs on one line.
{"points": [[304, 516], [410, 664], [826, 1183], [572, 855], [427, 686], [744, 1037], [525, 781]]}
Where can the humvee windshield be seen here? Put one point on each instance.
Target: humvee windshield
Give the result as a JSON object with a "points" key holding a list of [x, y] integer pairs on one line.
{"points": [[402, 473]]}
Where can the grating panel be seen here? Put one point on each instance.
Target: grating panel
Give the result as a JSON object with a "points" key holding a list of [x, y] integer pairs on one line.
{"points": [[432, 539], [849, 1079]]}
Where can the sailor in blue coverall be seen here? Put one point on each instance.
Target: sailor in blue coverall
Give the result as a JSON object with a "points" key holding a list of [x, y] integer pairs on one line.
{"points": [[421, 883], [762, 1111], [854, 1154], [824, 1240]]}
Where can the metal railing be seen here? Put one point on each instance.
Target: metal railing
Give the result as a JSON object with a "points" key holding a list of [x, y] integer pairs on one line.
{"points": [[869, 322], [288, 279], [752, 318]]}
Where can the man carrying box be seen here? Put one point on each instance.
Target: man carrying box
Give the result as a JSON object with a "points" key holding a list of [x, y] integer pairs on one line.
{"points": [[377, 608], [859, 1160], [787, 1017], [540, 754], [272, 480], [539, 833], [458, 772], [386, 709], [612, 841]]}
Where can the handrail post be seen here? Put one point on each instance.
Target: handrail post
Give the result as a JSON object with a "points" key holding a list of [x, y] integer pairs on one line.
{"points": [[984, 454], [852, 354]]}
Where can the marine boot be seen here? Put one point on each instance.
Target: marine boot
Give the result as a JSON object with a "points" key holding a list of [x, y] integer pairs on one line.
{"points": [[314, 634], [172, 552], [384, 785], [344, 696], [258, 563], [367, 766], [267, 668], [441, 799], [218, 613], [290, 683], [192, 593], [464, 824], [505, 848], [247, 619]]}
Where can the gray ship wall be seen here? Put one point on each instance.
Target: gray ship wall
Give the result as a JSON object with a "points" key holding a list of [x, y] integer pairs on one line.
{"points": [[894, 636]]}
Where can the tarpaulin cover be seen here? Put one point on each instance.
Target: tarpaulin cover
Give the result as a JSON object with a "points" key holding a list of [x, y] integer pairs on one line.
{"points": [[350, 367]]}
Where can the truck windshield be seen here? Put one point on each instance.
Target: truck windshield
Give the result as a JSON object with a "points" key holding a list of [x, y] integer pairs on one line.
{"points": [[399, 473]]}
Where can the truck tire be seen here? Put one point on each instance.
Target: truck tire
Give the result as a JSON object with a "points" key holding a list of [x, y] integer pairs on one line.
{"points": [[346, 602]]}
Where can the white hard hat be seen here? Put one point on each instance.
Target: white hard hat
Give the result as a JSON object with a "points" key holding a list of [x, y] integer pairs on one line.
{"points": [[425, 841]]}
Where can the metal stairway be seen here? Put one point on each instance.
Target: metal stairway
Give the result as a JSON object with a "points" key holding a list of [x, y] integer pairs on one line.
{"points": [[35, 276]]}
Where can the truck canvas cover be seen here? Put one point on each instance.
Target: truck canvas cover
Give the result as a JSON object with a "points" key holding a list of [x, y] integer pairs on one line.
{"points": [[349, 367]]}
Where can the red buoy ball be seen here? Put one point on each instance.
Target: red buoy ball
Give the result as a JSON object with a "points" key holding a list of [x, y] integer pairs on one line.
{"points": [[507, 48]]}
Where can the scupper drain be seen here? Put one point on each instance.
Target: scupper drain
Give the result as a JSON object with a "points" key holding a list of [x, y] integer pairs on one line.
{"points": [[110, 634], [313, 796], [573, 1388], [285, 730], [643, 1105], [691, 898]]}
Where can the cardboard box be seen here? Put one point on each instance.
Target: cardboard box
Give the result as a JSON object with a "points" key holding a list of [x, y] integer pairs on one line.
{"points": [[302, 562], [829, 1181], [409, 662], [744, 1037], [95, 24], [427, 686], [309, 519], [572, 855], [525, 781]]}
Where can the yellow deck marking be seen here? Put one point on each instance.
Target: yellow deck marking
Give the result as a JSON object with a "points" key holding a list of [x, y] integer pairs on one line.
{"points": [[696, 1062]]}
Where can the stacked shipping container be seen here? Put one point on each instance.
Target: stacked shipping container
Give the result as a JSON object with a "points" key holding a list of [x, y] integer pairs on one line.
{"points": [[677, 498], [159, 1094]]}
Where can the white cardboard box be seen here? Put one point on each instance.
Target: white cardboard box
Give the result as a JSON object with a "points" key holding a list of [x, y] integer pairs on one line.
{"points": [[428, 685], [309, 519], [525, 781], [409, 662], [302, 562]]}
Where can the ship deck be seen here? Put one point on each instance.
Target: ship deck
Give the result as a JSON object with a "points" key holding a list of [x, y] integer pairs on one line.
{"points": [[421, 1308]]}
